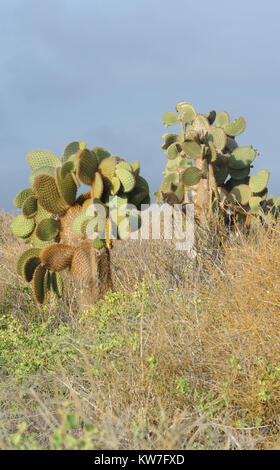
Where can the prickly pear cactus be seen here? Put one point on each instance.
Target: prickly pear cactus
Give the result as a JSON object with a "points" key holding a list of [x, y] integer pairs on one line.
{"points": [[206, 167], [65, 231]]}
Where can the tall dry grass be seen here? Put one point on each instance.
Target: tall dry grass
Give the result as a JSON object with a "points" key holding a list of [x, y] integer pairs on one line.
{"points": [[185, 354]]}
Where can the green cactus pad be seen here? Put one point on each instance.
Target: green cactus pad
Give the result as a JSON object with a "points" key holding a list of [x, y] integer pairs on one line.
{"points": [[186, 111], [125, 165], [259, 181], [44, 170], [24, 240], [38, 284], [22, 227], [170, 119], [201, 123], [41, 214], [236, 127], [241, 193], [117, 201], [47, 229], [71, 149], [95, 225], [213, 152], [22, 196], [30, 207], [116, 184], [37, 243], [86, 166], [138, 198], [222, 119], [42, 158], [192, 149], [242, 157], [67, 167], [126, 178], [218, 137], [47, 193], [98, 243], [191, 176], [57, 284], [29, 267], [172, 178], [47, 281], [170, 139], [173, 151], [172, 165], [68, 189], [101, 154], [97, 186], [123, 228], [142, 184], [135, 166], [30, 253], [211, 116], [179, 192], [254, 203], [239, 174], [78, 222], [107, 169], [184, 162]]}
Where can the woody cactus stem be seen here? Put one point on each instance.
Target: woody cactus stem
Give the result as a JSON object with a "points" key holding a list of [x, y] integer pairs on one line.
{"points": [[206, 167], [64, 231]]}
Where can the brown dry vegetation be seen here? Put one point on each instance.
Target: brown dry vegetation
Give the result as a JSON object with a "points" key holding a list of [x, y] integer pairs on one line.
{"points": [[185, 354]]}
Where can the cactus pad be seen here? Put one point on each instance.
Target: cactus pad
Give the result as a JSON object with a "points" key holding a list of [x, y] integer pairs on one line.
{"points": [[191, 176], [30, 253], [41, 158], [22, 196], [47, 229], [241, 194], [22, 227], [218, 137], [101, 154], [242, 157], [97, 186], [222, 119], [44, 170], [57, 257], [39, 284], [192, 149], [30, 207], [170, 119], [126, 178], [86, 166], [47, 193], [186, 111], [173, 151], [56, 284], [259, 181], [236, 127], [170, 139], [29, 267]]}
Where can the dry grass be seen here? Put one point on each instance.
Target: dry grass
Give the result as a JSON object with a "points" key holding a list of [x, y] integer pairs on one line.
{"points": [[185, 354]]}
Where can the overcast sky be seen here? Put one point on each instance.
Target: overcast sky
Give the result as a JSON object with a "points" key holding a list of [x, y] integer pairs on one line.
{"points": [[105, 71]]}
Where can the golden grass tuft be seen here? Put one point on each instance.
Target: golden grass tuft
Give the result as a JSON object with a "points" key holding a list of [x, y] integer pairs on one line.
{"points": [[184, 355]]}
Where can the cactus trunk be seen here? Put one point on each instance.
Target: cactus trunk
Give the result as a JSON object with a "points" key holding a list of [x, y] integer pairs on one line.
{"points": [[91, 270]]}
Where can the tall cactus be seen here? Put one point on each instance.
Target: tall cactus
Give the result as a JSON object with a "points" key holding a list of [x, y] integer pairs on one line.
{"points": [[206, 166], [66, 231]]}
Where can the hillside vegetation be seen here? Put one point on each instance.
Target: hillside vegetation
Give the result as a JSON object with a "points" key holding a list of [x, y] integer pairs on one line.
{"points": [[184, 354]]}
